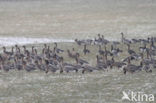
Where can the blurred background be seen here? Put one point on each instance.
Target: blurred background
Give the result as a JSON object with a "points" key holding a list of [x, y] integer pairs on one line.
{"points": [[70, 19]]}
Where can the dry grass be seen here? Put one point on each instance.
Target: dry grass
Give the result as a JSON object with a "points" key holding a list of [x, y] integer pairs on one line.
{"points": [[38, 87]]}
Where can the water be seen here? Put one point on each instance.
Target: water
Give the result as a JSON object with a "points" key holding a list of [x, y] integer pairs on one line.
{"points": [[38, 21], [11, 41]]}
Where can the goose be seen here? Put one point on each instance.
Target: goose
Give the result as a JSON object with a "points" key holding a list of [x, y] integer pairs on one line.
{"points": [[132, 68], [146, 61], [52, 68], [99, 37], [144, 41], [6, 67], [57, 49], [117, 64], [74, 66], [153, 47], [97, 41], [88, 68], [16, 48], [107, 52], [108, 62], [80, 42], [152, 52], [127, 58], [89, 41], [135, 41], [66, 67], [147, 69], [18, 64], [101, 52], [45, 49], [11, 55], [24, 49], [130, 51], [28, 67], [71, 55], [80, 61], [74, 53], [37, 56], [18, 54], [104, 41], [143, 49], [2, 57], [32, 54], [45, 46], [101, 65], [124, 40], [54, 60], [6, 52], [115, 52], [39, 64], [122, 37], [85, 50]]}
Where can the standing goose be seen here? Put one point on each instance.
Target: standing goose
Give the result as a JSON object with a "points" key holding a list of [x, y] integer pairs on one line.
{"points": [[51, 67], [108, 62], [117, 64], [11, 55], [72, 55], [85, 50], [104, 41], [18, 64], [101, 52], [124, 40], [16, 48], [101, 65], [80, 61], [6, 53], [130, 51], [57, 49], [78, 42], [115, 52], [24, 49], [143, 49], [39, 64]]}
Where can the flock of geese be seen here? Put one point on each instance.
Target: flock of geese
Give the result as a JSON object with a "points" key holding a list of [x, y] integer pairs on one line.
{"points": [[50, 60]]}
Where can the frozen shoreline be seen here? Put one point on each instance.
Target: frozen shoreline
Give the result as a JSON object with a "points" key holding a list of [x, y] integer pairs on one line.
{"points": [[9, 41]]}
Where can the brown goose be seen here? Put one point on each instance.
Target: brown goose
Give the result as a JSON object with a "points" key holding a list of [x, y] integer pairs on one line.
{"points": [[71, 55]]}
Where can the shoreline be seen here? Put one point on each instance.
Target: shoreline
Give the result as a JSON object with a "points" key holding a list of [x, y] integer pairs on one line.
{"points": [[10, 41]]}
